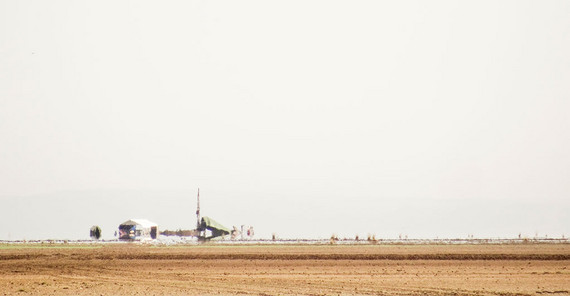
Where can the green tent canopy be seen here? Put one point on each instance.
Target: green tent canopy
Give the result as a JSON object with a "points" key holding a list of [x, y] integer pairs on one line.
{"points": [[216, 228]]}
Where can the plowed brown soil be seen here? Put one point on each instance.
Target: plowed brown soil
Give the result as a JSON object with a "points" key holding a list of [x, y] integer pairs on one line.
{"points": [[129, 269]]}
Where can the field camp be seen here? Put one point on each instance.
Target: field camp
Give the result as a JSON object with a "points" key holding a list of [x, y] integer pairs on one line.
{"points": [[210, 258]]}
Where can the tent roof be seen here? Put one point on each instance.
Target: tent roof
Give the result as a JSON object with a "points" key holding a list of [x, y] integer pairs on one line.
{"points": [[210, 223], [142, 222]]}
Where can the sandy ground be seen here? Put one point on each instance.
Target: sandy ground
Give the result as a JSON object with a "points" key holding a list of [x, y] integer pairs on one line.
{"points": [[129, 269]]}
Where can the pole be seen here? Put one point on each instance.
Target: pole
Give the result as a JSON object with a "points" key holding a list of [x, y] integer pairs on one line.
{"points": [[198, 211]]}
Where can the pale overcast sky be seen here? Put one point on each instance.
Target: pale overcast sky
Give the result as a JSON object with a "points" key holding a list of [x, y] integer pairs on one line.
{"points": [[303, 118]]}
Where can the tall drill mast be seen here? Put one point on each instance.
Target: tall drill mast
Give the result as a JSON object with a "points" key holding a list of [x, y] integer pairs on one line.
{"points": [[198, 211]]}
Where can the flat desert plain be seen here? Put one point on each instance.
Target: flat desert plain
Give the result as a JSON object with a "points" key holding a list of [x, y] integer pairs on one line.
{"points": [[219, 269]]}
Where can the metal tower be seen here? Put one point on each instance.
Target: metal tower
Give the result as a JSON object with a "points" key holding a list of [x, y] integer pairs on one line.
{"points": [[198, 211]]}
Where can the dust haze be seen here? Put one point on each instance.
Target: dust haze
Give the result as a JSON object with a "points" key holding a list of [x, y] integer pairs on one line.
{"points": [[429, 119]]}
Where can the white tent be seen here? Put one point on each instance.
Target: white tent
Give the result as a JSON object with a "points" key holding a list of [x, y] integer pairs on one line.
{"points": [[136, 229]]}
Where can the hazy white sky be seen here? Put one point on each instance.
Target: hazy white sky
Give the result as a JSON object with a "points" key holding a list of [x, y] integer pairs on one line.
{"points": [[304, 118]]}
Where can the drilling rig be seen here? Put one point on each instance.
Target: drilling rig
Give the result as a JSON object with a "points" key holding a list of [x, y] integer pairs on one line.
{"points": [[205, 224], [206, 228]]}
